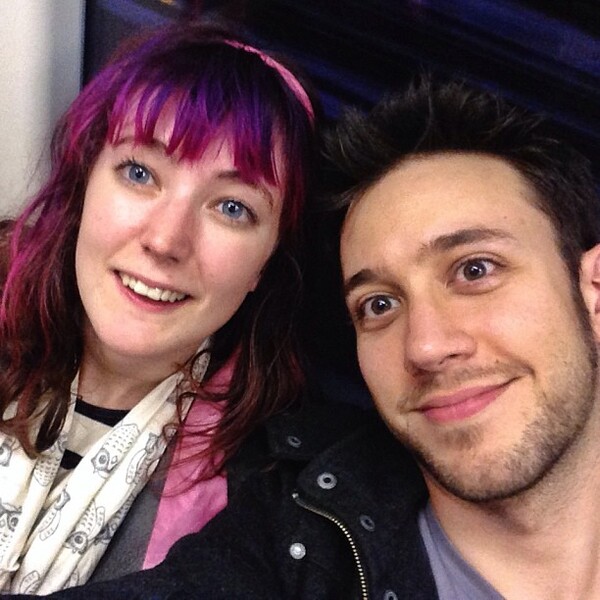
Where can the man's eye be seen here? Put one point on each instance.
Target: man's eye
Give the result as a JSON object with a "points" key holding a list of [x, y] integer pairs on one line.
{"points": [[475, 269], [236, 210], [378, 305]]}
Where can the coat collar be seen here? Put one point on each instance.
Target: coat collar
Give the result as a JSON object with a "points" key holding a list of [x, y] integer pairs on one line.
{"points": [[377, 492]]}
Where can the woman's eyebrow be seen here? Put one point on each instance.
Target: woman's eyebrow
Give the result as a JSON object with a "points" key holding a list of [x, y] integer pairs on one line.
{"points": [[230, 175], [234, 176], [154, 144]]}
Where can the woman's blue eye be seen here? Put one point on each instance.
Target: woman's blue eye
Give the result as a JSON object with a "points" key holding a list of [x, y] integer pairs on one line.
{"points": [[235, 210], [138, 174]]}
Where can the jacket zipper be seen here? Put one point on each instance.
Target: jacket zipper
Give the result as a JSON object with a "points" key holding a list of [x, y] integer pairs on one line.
{"points": [[344, 529]]}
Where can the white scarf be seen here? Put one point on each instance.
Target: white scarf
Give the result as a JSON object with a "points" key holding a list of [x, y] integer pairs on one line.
{"points": [[52, 536]]}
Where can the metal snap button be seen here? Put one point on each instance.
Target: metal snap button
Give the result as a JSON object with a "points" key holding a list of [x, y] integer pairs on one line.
{"points": [[326, 481], [297, 550], [293, 441], [367, 522]]}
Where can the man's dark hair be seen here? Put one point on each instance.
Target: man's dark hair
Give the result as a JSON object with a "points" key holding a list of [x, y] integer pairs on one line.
{"points": [[433, 117]]}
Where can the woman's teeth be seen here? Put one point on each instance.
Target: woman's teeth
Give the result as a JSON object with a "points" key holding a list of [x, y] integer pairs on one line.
{"points": [[153, 293]]}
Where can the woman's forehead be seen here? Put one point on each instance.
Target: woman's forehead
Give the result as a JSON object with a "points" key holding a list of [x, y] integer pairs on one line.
{"points": [[217, 146]]}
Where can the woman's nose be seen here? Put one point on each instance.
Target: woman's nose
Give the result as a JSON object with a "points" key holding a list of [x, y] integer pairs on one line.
{"points": [[167, 232]]}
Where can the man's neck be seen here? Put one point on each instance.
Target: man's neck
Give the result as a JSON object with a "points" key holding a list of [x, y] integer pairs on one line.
{"points": [[542, 544]]}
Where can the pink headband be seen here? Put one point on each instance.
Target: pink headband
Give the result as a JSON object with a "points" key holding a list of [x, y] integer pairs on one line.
{"points": [[285, 73]]}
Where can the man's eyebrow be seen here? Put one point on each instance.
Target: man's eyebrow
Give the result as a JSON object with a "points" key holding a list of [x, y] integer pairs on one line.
{"points": [[463, 237], [440, 244], [360, 278], [365, 276]]}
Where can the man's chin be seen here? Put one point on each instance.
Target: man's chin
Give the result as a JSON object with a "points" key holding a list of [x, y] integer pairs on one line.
{"points": [[489, 478]]}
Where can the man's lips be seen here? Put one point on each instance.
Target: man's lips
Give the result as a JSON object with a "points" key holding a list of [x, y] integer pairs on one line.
{"points": [[463, 403]]}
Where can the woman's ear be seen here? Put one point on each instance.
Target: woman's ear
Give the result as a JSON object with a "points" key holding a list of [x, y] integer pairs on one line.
{"points": [[589, 284], [256, 281]]}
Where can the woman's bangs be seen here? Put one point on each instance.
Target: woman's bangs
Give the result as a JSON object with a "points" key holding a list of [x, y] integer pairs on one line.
{"points": [[255, 145], [200, 115]]}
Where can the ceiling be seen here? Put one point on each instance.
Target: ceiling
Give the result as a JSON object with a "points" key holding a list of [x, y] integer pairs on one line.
{"points": [[539, 53]]}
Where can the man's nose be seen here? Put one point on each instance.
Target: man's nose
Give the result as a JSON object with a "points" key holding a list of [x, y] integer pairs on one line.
{"points": [[436, 335]]}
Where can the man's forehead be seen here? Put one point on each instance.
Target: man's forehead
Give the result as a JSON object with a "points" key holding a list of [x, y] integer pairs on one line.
{"points": [[440, 197], [448, 183]]}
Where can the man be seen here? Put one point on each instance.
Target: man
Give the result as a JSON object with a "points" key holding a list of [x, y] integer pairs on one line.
{"points": [[472, 274], [471, 268]]}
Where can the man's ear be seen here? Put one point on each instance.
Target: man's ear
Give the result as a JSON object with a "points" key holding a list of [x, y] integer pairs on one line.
{"points": [[589, 283]]}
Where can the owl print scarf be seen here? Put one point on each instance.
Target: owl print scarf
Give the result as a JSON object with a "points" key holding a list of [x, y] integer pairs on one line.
{"points": [[53, 535]]}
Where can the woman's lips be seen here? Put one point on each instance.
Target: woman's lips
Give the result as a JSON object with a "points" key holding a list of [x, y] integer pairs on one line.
{"points": [[142, 299], [462, 404], [153, 291]]}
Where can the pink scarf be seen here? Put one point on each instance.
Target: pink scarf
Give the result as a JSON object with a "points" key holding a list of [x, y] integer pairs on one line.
{"points": [[184, 509]]}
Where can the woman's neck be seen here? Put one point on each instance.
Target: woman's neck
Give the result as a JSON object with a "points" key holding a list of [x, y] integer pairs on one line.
{"points": [[117, 384]]}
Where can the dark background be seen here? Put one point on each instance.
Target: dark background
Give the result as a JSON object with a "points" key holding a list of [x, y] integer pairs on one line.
{"points": [[539, 53], [542, 54]]}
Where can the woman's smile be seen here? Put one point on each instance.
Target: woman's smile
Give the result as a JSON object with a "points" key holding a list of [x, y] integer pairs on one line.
{"points": [[156, 293]]}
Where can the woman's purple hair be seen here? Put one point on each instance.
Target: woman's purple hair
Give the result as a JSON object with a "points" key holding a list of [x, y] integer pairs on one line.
{"points": [[216, 89]]}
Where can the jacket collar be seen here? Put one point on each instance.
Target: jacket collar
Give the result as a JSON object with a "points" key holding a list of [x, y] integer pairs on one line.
{"points": [[376, 492]]}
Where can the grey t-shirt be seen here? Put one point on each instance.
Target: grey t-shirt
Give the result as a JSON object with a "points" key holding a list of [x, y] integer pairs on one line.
{"points": [[454, 577]]}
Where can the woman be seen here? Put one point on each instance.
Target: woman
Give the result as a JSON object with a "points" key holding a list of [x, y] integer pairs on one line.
{"points": [[154, 271]]}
